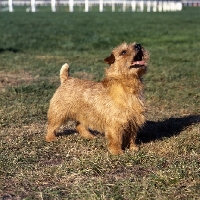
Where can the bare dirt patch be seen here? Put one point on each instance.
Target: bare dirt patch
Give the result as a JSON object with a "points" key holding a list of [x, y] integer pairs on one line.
{"points": [[13, 79], [48, 58]]}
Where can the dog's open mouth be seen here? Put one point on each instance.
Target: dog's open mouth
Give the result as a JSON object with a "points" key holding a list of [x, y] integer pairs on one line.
{"points": [[136, 64], [137, 60]]}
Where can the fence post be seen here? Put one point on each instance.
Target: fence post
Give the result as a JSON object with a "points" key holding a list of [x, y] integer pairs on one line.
{"points": [[154, 6], [33, 6], [53, 5], [179, 6], [113, 5], [133, 5], [148, 6], [160, 6], [86, 5], [124, 6], [100, 5], [172, 6], [71, 5], [10, 5], [141, 6], [164, 6], [168, 6]]}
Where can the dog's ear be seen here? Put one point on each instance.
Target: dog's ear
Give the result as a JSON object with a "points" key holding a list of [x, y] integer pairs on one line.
{"points": [[110, 60]]}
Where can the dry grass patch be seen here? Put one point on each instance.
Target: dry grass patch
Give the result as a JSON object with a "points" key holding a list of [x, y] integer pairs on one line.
{"points": [[50, 58], [72, 167], [8, 79]]}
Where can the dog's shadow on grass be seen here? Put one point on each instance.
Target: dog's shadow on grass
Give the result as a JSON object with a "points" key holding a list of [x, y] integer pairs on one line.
{"points": [[10, 49], [66, 132], [166, 128], [154, 130]]}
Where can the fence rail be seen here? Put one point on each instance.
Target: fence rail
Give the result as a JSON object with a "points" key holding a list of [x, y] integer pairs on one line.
{"points": [[133, 5]]}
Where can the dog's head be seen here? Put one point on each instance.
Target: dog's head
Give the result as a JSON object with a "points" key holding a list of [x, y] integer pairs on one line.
{"points": [[127, 60]]}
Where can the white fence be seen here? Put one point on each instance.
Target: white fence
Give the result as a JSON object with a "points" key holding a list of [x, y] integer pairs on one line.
{"points": [[191, 2], [136, 6]]}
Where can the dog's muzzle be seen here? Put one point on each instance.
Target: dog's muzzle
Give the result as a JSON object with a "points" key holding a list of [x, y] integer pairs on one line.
{"points": [[137, 60]]}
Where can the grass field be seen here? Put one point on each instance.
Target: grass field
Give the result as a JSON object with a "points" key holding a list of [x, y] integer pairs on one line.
{"points": [[33, 47]]}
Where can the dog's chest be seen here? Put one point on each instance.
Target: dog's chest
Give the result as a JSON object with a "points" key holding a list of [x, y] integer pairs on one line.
{"points": [[126, 96]]}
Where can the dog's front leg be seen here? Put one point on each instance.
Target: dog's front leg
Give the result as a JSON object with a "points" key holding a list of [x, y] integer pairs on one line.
{"points": [[133, 146], [114, 141]]}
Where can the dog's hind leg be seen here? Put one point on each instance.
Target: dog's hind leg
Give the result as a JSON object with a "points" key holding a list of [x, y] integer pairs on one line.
{"points": [[133, 146], [84, 132], [53, 125]]}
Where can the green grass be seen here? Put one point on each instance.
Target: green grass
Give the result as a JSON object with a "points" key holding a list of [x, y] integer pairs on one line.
{"points": [[33, 47]]}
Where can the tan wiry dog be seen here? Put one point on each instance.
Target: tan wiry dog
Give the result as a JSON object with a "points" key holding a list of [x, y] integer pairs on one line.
{"points": [[114, 106]]}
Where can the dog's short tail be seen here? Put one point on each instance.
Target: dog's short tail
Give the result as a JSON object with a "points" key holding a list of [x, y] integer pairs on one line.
{"points": [[64, 73]]}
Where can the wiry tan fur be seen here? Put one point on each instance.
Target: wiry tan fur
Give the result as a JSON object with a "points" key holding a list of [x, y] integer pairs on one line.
{"points": [[114, 106]]}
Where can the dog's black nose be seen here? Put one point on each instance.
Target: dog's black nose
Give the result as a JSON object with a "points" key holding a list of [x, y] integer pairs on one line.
{"points": [[138, 47]]}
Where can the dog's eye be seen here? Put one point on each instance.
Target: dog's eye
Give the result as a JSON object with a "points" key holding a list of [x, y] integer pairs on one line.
{"points": [[123, 52]]}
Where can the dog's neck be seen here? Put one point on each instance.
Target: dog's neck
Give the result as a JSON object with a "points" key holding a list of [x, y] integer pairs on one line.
{"points": [[130, 85]]}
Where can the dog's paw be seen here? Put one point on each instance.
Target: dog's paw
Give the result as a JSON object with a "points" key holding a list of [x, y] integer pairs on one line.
{"points": [[134, 148], [51, 138], [116, 151]]}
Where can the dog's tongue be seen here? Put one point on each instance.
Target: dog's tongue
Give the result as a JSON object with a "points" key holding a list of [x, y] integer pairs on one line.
{"points": [[138, 62]]}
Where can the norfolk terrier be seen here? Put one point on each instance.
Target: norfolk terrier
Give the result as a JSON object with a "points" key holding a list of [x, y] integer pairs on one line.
{"points": [[113, 106]]}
